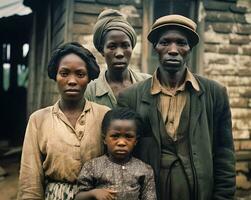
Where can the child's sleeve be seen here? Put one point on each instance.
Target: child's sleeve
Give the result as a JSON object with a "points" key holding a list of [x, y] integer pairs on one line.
{"points": [[148, 190], [85, 181]]}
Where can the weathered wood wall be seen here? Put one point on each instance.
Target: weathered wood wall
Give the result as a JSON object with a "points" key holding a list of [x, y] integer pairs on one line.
{"points": [[50, 29]]}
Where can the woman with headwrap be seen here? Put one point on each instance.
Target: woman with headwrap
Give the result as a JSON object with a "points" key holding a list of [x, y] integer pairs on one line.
{"points": [[60, 138], [115, 39]]}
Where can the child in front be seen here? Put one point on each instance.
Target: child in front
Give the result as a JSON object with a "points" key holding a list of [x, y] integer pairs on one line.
{"points": [[117, 174]]}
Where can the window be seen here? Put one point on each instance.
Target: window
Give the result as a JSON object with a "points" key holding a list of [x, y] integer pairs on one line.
{"points": [[20, 68], [187, 8]]}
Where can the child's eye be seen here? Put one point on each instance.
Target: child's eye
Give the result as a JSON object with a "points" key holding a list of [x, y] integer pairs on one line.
{"points": [[129, 135], [114, 135]]}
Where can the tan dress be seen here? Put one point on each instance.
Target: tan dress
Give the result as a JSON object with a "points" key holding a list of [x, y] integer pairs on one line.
{"points": [[54, 151]]}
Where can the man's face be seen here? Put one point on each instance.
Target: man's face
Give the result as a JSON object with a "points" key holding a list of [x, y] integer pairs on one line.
{"points": [[173, 49]]}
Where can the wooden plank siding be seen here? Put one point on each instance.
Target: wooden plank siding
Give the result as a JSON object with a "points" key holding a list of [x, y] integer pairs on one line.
{"points": [[58, 22], [83, 18], [146, 47], [82, 29], [49, 31], [58, 37], [58, 7], [90, 8]]}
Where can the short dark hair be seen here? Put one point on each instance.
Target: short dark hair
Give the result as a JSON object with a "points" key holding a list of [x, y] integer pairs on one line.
{"points": [[75, 48], [121, 114]]}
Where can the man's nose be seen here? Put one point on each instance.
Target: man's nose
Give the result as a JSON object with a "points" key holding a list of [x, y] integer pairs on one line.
{"points": [[119, 53], [173, 49]]}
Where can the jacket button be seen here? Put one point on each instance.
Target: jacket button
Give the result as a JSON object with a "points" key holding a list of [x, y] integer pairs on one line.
{"points": [[82, 122]]}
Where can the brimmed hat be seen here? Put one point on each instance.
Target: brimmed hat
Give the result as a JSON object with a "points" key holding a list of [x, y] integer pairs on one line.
{"points": [[174, 21]]}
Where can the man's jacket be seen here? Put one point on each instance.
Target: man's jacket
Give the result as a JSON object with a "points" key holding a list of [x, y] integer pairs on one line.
{"points": [[210, 136]]}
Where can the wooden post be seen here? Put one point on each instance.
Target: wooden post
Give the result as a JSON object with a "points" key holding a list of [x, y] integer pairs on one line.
{"points": [[32, 65], [15, 55], [147, 21], [1, 68], [69, 20]]}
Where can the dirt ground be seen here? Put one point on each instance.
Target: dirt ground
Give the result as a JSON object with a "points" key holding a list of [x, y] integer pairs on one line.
{"points": [[9, 183]]}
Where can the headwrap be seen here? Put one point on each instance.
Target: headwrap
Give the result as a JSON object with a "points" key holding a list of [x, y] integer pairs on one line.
{"points": [[108, 20]]}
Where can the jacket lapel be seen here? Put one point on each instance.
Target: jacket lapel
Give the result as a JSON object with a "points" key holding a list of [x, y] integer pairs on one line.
{"points": [[196, 106], [195, 109], [151, 102]]}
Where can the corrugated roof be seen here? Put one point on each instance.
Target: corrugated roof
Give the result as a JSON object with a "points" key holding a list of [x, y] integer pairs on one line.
{"points": [[13, 7]]}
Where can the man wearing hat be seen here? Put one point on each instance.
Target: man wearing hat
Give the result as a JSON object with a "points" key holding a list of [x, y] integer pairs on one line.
{"points": [[187, 136]]}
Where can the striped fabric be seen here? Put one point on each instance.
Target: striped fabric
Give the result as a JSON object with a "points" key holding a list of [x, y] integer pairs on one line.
{"points": [[60, 191]]}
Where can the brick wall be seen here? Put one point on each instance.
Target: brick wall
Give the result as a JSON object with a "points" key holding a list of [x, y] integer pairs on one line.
{"points": [[227, 59]]}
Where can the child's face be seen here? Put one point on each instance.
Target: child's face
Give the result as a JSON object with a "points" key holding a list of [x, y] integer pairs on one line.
{"points": [[121, 139]]}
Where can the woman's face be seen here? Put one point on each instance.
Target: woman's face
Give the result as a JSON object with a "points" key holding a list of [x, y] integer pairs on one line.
{"points": [[117, 50], [72, 77]]}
